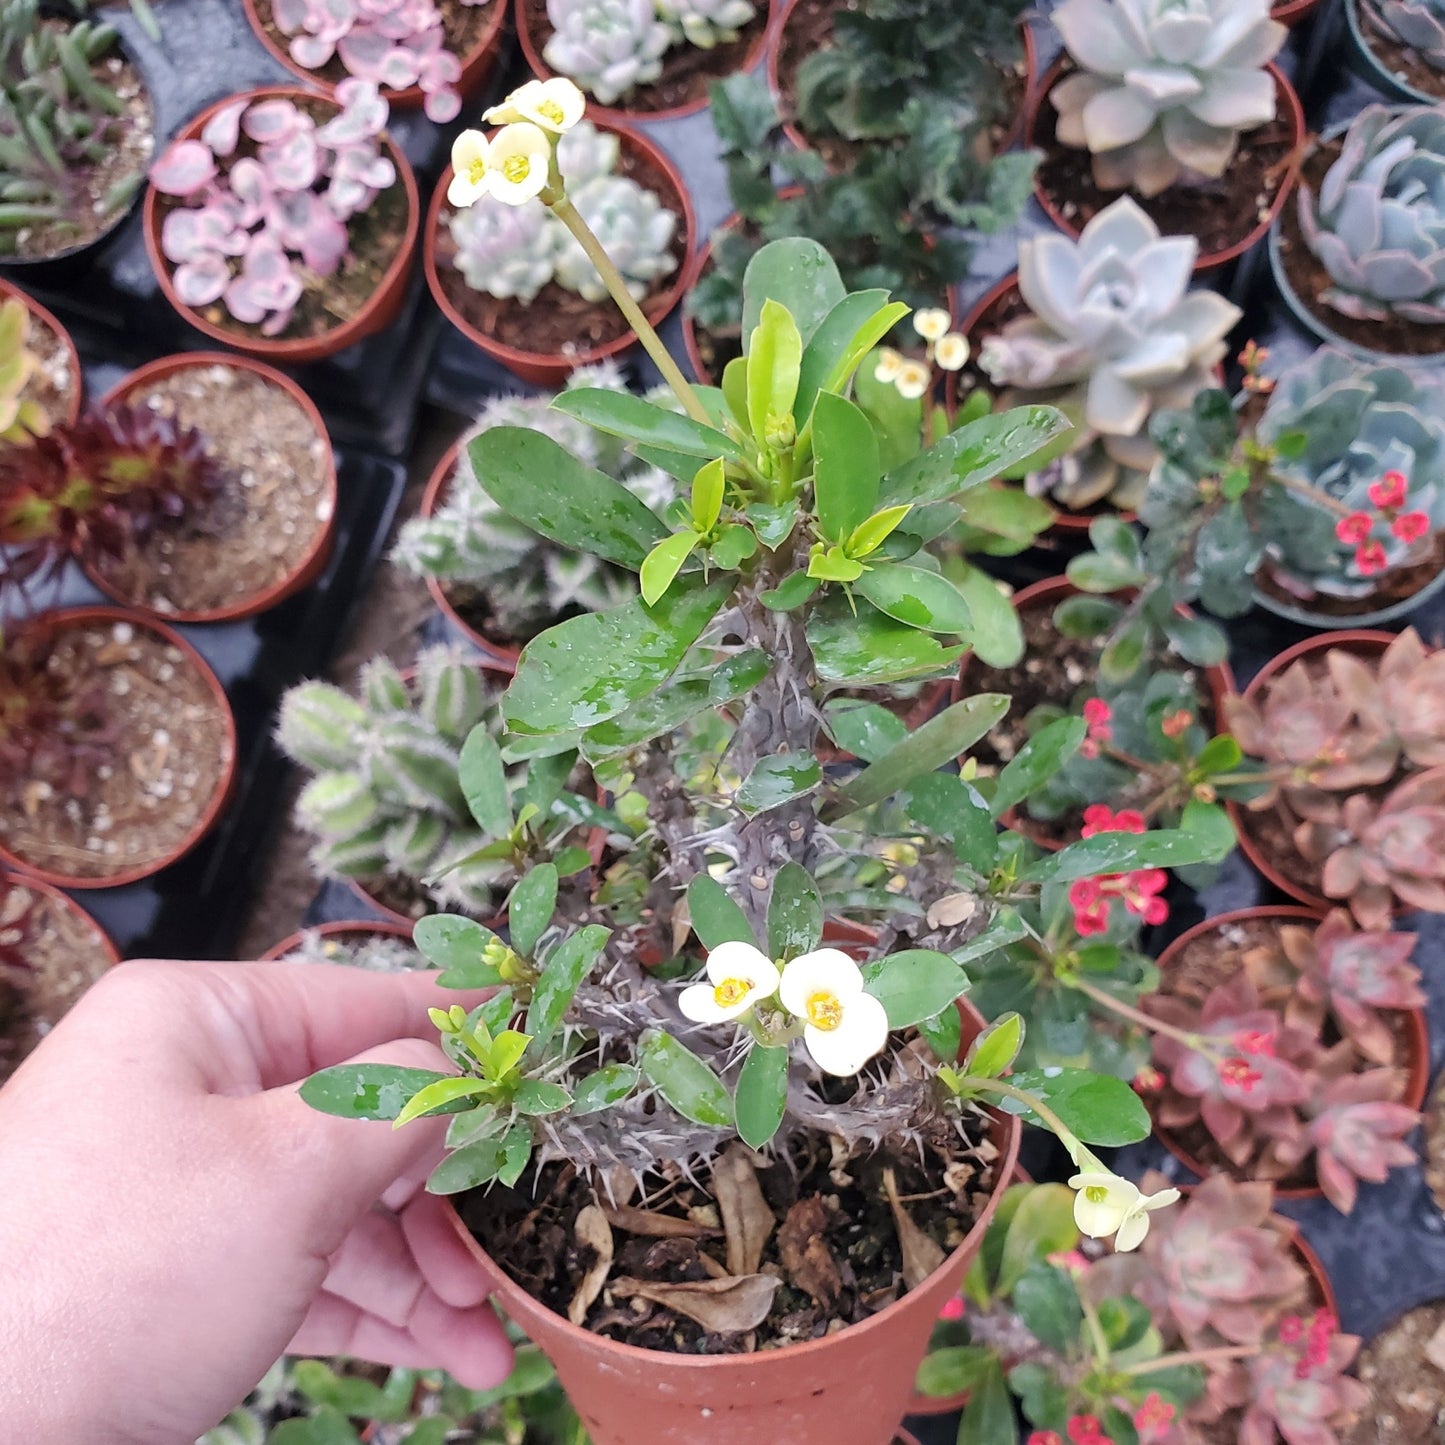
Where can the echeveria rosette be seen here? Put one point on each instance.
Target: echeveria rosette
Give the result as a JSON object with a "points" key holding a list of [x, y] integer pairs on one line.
{"points": [[1418, 25], [1113, 335], [609, 47], [1377, 224], [1164, 87], [1358, 422], [1358, 1132]]}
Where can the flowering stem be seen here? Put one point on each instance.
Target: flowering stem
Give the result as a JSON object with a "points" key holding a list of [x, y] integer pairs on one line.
{"points": [[1030, 1101], [562, 207], [1310, 494], [1195, 1042], [1096, 1330], [1190, 1357]]}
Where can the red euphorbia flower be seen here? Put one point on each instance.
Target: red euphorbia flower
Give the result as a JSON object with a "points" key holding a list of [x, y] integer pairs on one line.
{"points": [[1410, 526], [1370, 558], [1389, 491], [1355, 528]]}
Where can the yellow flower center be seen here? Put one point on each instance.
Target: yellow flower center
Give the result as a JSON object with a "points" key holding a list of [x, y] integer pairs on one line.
{"points": [[1096, 1194], [824, 1011], [517, 169], [476, 170], [731, 991], [550, 110]]}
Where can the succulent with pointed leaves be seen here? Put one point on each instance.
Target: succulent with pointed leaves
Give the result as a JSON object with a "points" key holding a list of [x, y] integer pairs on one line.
{"points": [[1164, 88], [609, 47], [1112, 335], [1305, 1394], [1358, 1134]]}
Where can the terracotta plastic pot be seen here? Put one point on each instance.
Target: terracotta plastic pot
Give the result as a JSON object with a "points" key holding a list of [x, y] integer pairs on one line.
{"points": [[34, 884], [800, 138], [1367, 644], [311, 565], [849, 1388], [548, 368], [50, 322], [342, 929], [1292, 12], [1287, 104], [378, 313], [1417, 1063], [476, 64], [225, 786], [532, 51]]}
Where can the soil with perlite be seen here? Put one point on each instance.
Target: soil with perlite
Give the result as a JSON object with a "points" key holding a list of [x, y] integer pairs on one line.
{"points": [[52, 385]]}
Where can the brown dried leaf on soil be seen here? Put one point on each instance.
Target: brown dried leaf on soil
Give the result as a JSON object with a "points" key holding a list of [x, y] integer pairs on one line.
{"points": [[723, 1306], [653, 1225], [922, 1254], [747, 1219], [806, 1257], [592, 1231]]}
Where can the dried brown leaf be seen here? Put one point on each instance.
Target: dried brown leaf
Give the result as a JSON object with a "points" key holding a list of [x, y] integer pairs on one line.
{"points": [[747, 1219], [722, 1306], [922, 1254], [805, 1253], [951, 910], [653, 1225], [593, 1232]]}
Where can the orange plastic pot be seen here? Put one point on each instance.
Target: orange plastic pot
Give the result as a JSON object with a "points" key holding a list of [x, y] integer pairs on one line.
{"points": [[342, 929], [225, 785], [476, 64], [1417, 1037], [800, 139], [33, 884], [1287, 104], [532, 52], [551, 369], [1367, 644], [51, 323], [1292, 12], [849, 1388], [381, 308], [311, 565]]}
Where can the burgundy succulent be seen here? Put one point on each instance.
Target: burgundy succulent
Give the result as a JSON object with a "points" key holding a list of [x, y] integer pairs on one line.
{"points": [[271, 194], [1303, 1396], [1358, 1132]]}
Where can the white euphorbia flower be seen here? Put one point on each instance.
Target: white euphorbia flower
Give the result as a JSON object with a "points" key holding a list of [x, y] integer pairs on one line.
{"points": [[890, 363], [931, 323], [843, 1027], [521, 159], [912, 380], [951, 352], [556, 105], [471, 168], [1105, 1204], [739, 976]]}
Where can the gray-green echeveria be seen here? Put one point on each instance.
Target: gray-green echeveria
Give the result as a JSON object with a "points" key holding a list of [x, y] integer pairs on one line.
{"points": [[635, 230], [1378, 223], [1418, 24], [1113, 334], [1164, 87], [706, 23], [506, 251], [607, 46], [1355, 422]]}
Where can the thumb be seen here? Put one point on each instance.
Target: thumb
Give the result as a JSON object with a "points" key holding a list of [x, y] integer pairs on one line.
{"points": [[324, 1171]]}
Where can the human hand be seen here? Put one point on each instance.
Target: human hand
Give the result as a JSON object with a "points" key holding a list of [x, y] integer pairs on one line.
{"points": [[173, 1217]]}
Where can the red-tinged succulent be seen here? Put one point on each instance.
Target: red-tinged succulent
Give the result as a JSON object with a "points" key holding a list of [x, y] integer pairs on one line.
{"points": [[1382, 851], [1358, 1133], [1225, 1263], [98, 484], [1411, 680], [1304, 1397]]}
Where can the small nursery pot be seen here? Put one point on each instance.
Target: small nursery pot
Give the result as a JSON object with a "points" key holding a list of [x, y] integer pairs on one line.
{"points": [[1287, 106], [551, 369], [1367, 644], [342, 929], [1048, 593], [1327, 620], [848, 1388], [532, 46], [313, 561], [47, 319], [1294, 12], [382, 306], [225, 784], [476, 63], [1366, 62], [1417, 1063]]}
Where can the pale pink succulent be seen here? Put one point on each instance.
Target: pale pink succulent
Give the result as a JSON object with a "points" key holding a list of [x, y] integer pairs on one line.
{"points": [[1358, 1133]]}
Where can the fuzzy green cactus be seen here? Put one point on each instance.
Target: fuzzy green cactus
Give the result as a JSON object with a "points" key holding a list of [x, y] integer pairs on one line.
{"points": [[608, 47], [635, 229]]}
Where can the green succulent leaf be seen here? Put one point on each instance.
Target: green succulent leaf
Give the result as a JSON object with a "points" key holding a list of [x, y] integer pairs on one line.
{"points": [[469, 1167], [684, 1081], [455, 944], [845, 336], [794, 590], [537, 1097], [1036, 762], [914, 985], [799, 275], [1042, 1224], [609, 1086], [778, 779], [917, 597], [845, 468], [368, 1091], [795, 913], [716, 916], [992, 1053], [663, 564], [484, 783], [1210, 841], [567, 965], [620, 414], [442, 1097], [988, 1418], [708, 487], [872, 647], [1102, 1111], [775, 353], [762, 1094], [530, 908]]}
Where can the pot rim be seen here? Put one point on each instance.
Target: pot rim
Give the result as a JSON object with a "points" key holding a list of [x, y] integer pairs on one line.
{"points": [[296, 349], [383, 926], [48, 318], [408, 97], [545, 367], [1305, 618], [311, 563], [225, 785], [615, 114], [1381, 76], [1288, 105], [37, 884]]}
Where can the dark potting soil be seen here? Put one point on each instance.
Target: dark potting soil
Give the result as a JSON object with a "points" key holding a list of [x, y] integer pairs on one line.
{"points": [[1201, 966], [1310, 279], [835, 1244], [1394, 586], [1404, 1370], [1404, 62], [169, 753], [265, 518], [1220, 213], [558, 322], [463, 27], [63, 952], [687, 70], [53, 383], [327, 303], [94, 205]]}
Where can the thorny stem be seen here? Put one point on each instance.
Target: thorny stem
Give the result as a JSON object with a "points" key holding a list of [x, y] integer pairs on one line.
{"points": [[561, 206]]}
